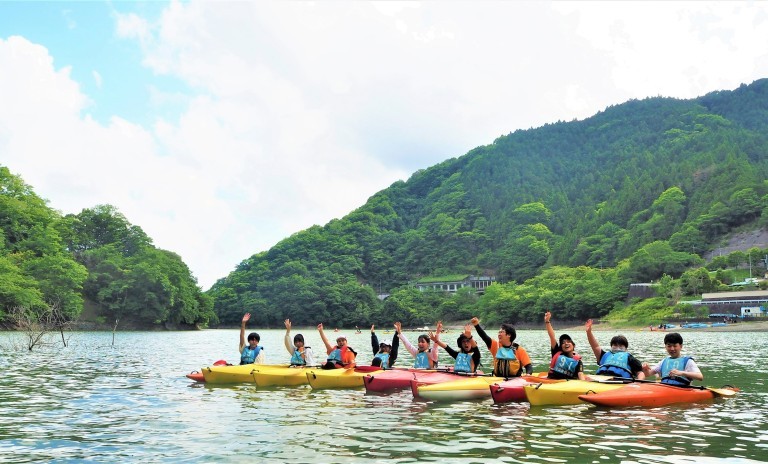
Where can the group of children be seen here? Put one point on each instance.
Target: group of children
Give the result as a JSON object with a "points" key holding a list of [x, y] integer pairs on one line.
{"points": [[509, 358]]}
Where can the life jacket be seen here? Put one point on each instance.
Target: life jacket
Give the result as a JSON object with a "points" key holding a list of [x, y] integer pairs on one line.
{"points": [[616, 364], [564, 367], [505, 363], [421, 361], [336, 357], [674, 363], [463, 362], [296, 359], [384, 360], [248, 356]]}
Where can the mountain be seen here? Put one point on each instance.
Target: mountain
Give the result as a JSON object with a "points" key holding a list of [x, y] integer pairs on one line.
{"points": [[664, 176]]}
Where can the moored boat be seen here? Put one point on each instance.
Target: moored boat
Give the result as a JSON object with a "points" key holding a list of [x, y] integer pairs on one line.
{"points": [[650, 395]]}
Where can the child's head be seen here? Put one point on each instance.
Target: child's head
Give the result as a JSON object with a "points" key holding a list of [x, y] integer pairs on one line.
{"points": [[673, 342], [298, 340], [385, 347], [464, 343], [423, 342], [341, 341], [619, 343], [253, 339], [567, 344]]}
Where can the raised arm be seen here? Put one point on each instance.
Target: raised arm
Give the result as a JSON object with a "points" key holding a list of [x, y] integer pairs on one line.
{"points": [[287, 339], [550, 330], [328, 347], [592, 340], [433, 351], [246, 317], [476, 322], [374, 341], [411, 349]]}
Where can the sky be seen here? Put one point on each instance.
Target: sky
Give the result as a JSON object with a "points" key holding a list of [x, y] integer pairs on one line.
{"points": [[221, 128]]}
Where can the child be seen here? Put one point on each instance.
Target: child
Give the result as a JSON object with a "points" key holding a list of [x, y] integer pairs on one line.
{"points": [[617, 362], [339, 356], [566, 364], [468, 356], [675, 369], [425, 357], [301, 355], [250, 353], [384, 354]]}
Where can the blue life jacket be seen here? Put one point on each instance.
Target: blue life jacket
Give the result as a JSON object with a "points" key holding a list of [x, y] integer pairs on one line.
{"points": [[421, 361], [616, 364], [248, 356], [463, 362], [505, 363], [565, 366], [384, 360], [296, 359], [334, 356], [674, 363]]}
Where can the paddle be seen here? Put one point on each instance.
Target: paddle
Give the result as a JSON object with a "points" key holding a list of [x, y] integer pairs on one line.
{"points": [[717, 391]]}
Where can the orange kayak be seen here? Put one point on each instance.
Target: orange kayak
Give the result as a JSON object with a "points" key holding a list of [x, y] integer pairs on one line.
{"points": [[648, 395]]}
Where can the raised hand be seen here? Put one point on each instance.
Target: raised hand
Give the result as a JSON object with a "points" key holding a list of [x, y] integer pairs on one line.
{"points": [[468, 330], [246, 317], [475, 321], [432, 336], [288, 325], [547, 316], [372, 328], [588, 325], [320, 327], [398, 327]]}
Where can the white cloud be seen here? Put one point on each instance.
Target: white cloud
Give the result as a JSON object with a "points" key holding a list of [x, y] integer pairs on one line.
{"points": [[299, 111]]}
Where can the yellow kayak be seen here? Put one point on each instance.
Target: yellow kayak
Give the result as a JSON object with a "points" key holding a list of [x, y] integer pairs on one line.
{"points": [[336, 378], [236, 374], [277, 377], [559, 393], [469, 388]]}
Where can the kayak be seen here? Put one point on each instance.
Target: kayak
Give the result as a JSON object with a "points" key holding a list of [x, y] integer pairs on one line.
{"points": [[559, 393], [279, 376], [235, 374], [470, 388], [512, 391], [649, 395], [196, 376], [400, 378], [336, 378]]}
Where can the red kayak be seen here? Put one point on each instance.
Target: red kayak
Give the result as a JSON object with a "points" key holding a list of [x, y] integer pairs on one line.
{"points": [[651, 395], [400, 379], [512, 391], [197, 376]]}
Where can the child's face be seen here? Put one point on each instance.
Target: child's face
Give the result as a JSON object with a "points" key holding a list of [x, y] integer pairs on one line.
{"points": [[673, 349], [423, 345]]}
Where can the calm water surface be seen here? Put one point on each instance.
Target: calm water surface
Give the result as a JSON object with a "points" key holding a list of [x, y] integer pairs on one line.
{"points": [[131, 403]]}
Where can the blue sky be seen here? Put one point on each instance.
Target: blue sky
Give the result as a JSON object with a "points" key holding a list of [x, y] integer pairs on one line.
{"points": [[222, 127]]}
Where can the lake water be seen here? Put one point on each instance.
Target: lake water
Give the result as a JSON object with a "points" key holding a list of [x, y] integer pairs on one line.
{"points": [[130, 402]]}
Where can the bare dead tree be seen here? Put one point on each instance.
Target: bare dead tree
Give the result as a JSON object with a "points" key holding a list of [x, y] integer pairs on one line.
{"points": [[37, 323]]}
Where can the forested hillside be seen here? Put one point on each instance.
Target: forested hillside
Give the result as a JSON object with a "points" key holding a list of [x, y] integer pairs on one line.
{"points": [[94, 259], [565, 215]]}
